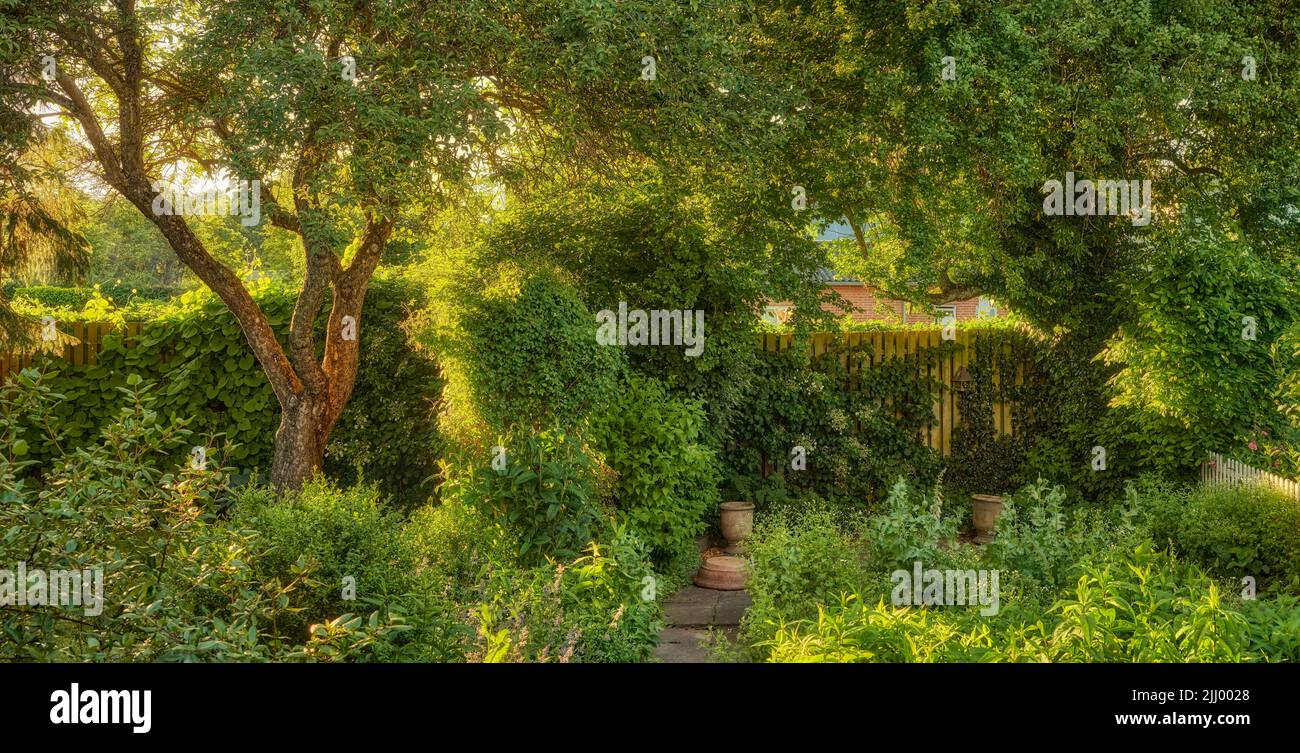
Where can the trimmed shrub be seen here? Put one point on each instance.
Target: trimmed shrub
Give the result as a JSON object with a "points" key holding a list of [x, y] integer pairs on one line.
{"points": [[522, 355], [76, 298], [341, 533], [55, 297]]}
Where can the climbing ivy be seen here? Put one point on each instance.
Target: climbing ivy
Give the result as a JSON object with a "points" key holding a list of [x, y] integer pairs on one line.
{"points": [[1056, 402], [856, 427], [982, 460]]}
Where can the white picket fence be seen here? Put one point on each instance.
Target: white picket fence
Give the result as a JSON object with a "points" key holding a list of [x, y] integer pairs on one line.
{"points": [[1222, 470]]}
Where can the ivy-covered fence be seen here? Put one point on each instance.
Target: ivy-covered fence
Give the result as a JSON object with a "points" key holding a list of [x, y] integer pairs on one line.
{"points": [[194, 353], [844, 415], [949, 363], [81, 345]]}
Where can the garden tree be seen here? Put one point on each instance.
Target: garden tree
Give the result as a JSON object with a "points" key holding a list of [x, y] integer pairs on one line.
{"points": [[934, 127], [356, 118], [39, 217], [127, 251]]}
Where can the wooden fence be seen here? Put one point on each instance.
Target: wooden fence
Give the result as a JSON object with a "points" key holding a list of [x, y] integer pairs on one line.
{"points": [[89, 338], [889, 344], [885, 344], [1224, 470]]}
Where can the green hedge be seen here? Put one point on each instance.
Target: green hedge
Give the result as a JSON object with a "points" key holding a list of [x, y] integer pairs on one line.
{"points": [[532, 358], [77, 297], [197, 354]]}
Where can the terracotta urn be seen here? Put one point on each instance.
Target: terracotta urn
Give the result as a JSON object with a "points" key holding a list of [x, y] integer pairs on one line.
{"points": [[722, 574], [737, 524], [985, 511]]}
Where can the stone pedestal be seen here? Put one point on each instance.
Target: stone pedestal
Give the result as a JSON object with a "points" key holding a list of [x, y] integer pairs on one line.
{"points": [[722, 574]]}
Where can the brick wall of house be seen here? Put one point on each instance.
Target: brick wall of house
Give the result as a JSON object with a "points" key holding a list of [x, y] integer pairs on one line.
{"points": [[864, 303], [867, 304]]}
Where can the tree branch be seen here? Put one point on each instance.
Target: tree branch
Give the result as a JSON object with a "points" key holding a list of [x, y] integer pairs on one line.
{"points": [[103, 149]]}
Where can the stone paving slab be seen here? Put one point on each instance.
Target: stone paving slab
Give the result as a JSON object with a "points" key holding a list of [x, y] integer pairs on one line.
{"points": [[688, 645], [730, 610], [679, 645], [703, 606]]}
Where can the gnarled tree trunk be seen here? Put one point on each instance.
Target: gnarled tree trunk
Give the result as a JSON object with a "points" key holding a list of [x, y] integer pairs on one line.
{"points": [[299, 443]]}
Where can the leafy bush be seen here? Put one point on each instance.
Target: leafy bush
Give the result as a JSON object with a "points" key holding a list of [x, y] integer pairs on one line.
{"points": [[1135, 606], [268, 584], [1278, 453], [342, 532], [540, 497], [388, 434], [613, 593], [797, 564], [1233, 531], [1139, 606], [1187, 380], [855, 631], [667, 479], [1273, 628], [457, 543], [520, 353], [1032, 536], [178, 584], [912, 527]]}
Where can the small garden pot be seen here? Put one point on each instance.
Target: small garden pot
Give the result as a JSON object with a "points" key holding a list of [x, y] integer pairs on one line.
{"points": [[985, 511], [737, 524]]}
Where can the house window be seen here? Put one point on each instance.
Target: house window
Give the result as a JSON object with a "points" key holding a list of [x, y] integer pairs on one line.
{"points": [[986, 308], [943, 312]]}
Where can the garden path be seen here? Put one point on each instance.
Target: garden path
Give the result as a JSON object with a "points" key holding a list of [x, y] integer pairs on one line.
{"points": [[689, 614]]}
